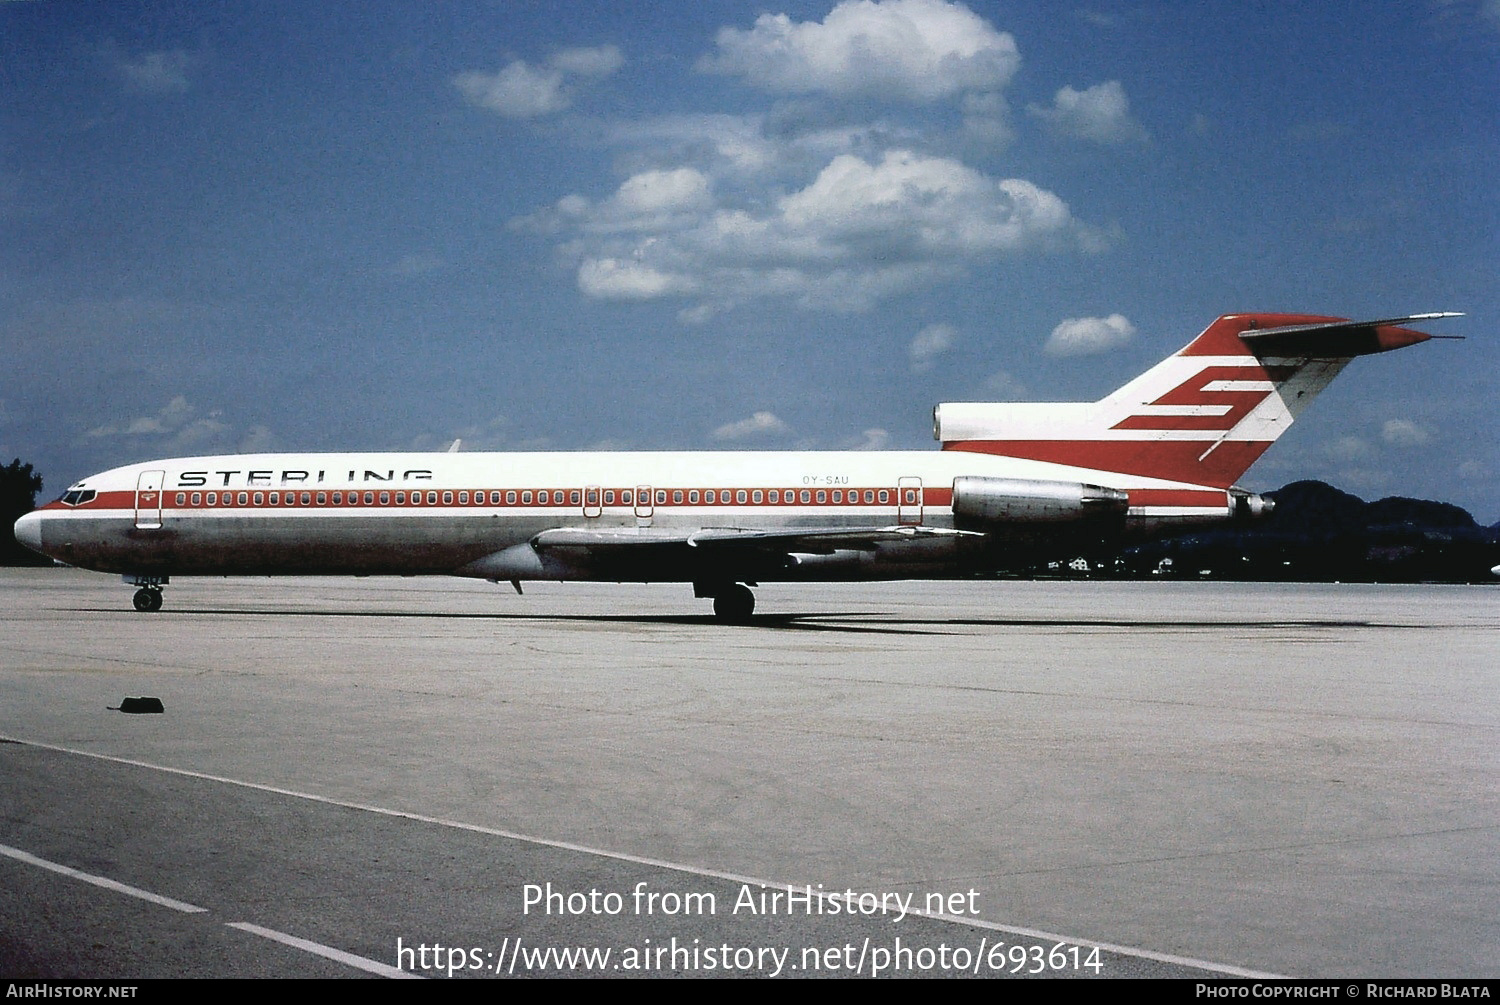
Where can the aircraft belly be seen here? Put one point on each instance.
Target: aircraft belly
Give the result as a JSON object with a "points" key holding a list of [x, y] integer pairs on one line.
{"points": [[282, 546]]}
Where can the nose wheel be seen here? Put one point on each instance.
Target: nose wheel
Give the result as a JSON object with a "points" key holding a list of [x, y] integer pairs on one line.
{"points": [[147, 600]]}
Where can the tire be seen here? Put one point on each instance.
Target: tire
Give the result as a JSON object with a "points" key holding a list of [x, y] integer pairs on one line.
{"points": [[147, 601], [734, 605]]}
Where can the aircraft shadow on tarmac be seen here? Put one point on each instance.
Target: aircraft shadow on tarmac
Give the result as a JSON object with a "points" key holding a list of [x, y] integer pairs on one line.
{"points": [[861, 622]]}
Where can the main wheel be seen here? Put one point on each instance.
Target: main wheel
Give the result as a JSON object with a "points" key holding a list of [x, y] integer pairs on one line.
{"points": [[734, 604], [147, 600]]}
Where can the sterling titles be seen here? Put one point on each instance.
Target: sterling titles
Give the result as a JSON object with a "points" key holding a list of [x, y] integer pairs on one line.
{"points": [[274, 479]]}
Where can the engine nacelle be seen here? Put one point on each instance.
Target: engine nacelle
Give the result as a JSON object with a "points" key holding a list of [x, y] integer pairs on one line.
{"points": [[981, 503], [1245, 506]]}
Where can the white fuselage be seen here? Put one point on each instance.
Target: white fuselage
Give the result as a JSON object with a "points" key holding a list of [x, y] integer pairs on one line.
{"points": [[447, 512]]}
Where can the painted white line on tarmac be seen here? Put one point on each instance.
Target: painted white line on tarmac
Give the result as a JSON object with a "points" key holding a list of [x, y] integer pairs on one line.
{"points": [[327, 952], [108, 884], [1030, 933]]}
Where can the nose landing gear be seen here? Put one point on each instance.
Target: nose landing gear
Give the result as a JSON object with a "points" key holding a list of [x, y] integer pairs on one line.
{"points": [[147, 599]]}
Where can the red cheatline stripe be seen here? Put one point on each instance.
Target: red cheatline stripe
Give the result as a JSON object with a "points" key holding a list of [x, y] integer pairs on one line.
{"points": [[508, 498]]}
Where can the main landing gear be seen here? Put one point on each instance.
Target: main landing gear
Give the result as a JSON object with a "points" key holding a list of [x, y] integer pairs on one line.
{"points": [[147, 599], [733, 602]]}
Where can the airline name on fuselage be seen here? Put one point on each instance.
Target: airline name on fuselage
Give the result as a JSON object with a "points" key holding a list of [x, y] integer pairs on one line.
{"points": [[199, 479]]}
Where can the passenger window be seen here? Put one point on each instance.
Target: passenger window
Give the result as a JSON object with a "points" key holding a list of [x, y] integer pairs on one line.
{"points": [[693, 497], [197, 498], [757, 497], [609, 497], [573, 497], [885, 495], [322, 498], [822, 496], [677, 497], [526, 498], [838, 496], [543, 497], [400, 498], [432, 498], [869, 495], [447, 498], [463, 498], [385, 498], [740, 497], [775, 496], [661, 497], [260, 498], [181, 498], [626, 497], [275, 498], [495, 497], [710, 496], [213, 498], [510, 498]]}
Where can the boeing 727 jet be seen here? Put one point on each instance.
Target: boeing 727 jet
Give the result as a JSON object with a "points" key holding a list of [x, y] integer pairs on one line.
{"points": [[1013, 484]]}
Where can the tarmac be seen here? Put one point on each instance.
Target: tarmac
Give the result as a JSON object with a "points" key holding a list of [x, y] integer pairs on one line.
{"points": [[388, 777]]}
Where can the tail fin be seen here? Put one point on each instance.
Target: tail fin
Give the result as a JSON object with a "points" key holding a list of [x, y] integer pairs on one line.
{"points": [[1201, 416]]}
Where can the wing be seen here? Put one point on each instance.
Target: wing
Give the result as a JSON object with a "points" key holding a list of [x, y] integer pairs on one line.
{"points": [[814, 540]]}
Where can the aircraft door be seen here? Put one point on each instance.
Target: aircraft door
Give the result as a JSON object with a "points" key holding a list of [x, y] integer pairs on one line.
{"points": [[909, 501], [591, 501], [148, 500], [643, 505]]}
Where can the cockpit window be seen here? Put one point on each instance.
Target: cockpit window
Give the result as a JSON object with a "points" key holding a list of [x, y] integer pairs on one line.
{"points": [[78, 497]]}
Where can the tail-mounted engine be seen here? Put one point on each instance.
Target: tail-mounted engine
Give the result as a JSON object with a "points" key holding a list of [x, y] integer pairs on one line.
{"points": [[997, 503]]}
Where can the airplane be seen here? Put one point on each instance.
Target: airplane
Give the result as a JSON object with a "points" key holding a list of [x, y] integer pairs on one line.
{"points": [[1013, 484]]}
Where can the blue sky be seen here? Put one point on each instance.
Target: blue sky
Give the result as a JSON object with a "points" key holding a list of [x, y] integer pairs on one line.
{"points": [[728, 226]]}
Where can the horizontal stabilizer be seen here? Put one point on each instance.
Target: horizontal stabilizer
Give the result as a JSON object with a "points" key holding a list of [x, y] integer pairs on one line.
{"points": [[1339, 339]]}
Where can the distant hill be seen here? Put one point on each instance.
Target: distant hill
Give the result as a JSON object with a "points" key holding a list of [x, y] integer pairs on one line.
{"points": [[1319, 533]]}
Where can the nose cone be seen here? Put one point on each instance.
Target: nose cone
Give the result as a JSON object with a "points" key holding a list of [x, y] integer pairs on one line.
{"points": [[29, 531]]}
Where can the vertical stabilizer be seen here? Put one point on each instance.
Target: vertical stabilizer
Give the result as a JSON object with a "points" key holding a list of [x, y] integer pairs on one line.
{"points": [[1202, 415]]}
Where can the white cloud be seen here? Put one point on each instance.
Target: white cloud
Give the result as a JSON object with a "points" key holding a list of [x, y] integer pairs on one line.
{"points": [[860, 231], [906, 50], [1003, 386], [1404, 433], [617, 279], [761, 424], [179, 427], [1349, 450], [258, 440], [600, 61], [872, 439], [1084, 336], [522, 91], [162, 72], [930, 343], [1100, 114]]}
